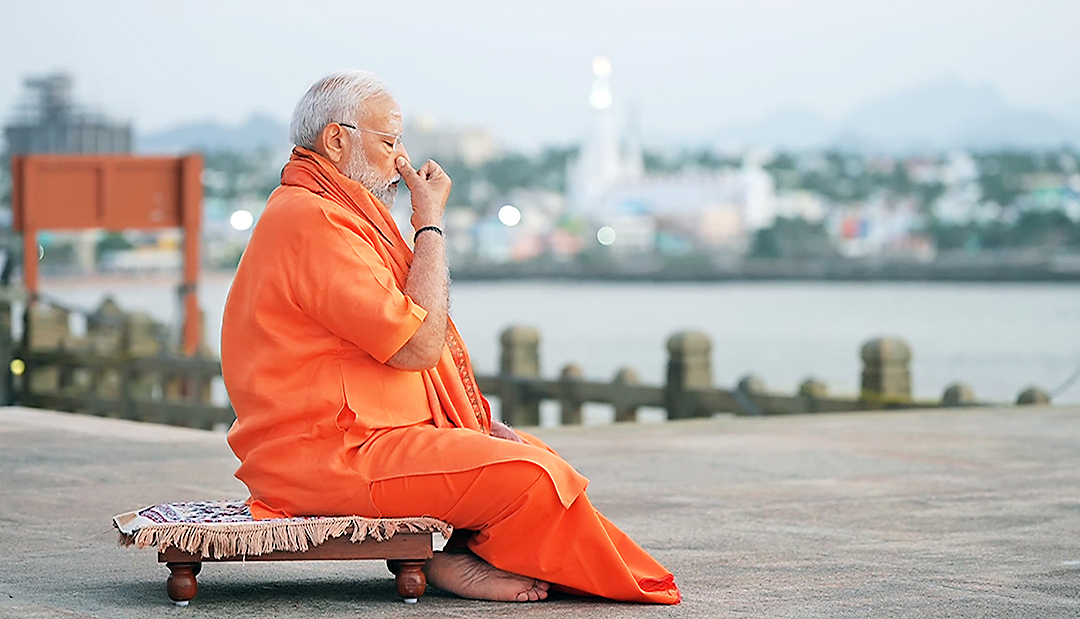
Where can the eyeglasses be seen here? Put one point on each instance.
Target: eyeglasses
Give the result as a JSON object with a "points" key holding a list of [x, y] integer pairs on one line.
{"points": [[396, 136]]}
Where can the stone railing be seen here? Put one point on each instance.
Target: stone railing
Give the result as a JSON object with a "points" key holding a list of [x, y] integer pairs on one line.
{"points": [[122, 367], [689, 391]]}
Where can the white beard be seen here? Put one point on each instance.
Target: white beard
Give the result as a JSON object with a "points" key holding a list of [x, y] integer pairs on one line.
{"points": [[360, 170]]}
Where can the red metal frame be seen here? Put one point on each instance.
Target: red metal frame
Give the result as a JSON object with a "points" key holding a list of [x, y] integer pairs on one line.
{"points": [[114, 192]]}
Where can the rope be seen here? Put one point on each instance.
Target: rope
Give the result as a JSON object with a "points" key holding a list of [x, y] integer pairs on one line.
{"points": [[1065, 385]]}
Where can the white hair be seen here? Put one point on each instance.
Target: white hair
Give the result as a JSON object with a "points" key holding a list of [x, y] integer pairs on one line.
{"points": [[338, 97]]}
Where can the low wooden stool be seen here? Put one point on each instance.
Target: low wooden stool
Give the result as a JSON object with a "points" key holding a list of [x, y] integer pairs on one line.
{"points": [[187, 535]]}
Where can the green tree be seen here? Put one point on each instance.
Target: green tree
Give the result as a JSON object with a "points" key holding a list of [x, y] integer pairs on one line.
{"points": [[1032, 229], [781, 162], [792, 238], [1045, 229], [111, 241]]}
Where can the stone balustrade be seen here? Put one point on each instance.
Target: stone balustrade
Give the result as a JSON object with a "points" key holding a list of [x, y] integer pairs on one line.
{"points": [[123, 366]]}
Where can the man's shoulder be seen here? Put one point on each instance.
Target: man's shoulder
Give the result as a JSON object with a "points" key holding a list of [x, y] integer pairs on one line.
{"points": [[301, 208], [292, 201]]}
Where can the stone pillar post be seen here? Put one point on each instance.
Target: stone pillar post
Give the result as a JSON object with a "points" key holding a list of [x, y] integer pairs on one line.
{"points": [[813, 388], [141, 339], [1033, 396], [105, 333], [625, 409], [570, 402], [519, 358], [46, 331], [886, 376], [7, 355], [752, 384], [811, 391], [689, 368], [958, 394], [749, 386]]}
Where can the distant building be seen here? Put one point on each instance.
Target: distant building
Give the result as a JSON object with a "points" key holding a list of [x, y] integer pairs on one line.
{"points": [[427, 139], [48, 121], [609, 187], [962, 202], [536, 232], [607, 160], [801, 204], [880, 226], [924, 171]]}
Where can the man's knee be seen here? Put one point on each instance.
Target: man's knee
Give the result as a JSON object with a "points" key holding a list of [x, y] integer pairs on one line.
{"points": [[512, 477], [508, 490]]}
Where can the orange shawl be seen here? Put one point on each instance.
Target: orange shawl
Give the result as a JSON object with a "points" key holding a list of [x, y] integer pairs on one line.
{"points": [[451, 387]]}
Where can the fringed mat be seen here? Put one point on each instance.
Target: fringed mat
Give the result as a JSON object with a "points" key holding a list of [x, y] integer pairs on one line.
{"points": [[220, 529]]}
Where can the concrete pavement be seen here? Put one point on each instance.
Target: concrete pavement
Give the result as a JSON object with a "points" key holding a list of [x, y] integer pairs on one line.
{"points": [[901, 514]]}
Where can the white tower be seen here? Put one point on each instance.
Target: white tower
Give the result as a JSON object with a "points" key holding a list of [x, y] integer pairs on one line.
{"points": [[598, 166], [633, 167], [759, 193]]}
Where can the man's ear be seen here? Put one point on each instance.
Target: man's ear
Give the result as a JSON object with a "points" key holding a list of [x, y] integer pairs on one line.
{"points": [[332, 143]]}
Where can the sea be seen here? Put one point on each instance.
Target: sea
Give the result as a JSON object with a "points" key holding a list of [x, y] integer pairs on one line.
{"points": [[998, 337]]}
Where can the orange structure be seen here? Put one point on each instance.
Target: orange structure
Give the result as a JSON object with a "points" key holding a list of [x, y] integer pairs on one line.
{"points": [[114, 192]]}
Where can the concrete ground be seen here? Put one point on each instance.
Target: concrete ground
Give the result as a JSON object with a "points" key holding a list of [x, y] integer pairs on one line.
{"points": [[903, 514]]}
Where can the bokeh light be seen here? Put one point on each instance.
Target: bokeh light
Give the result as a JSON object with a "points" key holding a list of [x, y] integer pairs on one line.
{"points": [[510, 215], [600, 99], [241, 220], [601, 66], [606, 235]]}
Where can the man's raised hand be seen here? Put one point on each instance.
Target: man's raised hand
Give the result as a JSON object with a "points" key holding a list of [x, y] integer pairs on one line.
{"points": [[430, 189]]}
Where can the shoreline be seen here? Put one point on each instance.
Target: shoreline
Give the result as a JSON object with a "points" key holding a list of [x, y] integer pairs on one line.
{"points": [[764, 273], [74, 282], [92, 280]]}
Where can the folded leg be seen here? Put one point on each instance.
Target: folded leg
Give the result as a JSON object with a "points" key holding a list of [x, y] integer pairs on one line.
{"points": [[522, 526]]}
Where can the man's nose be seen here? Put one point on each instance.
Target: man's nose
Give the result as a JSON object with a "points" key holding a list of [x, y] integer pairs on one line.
{"points": [[401, 150]]}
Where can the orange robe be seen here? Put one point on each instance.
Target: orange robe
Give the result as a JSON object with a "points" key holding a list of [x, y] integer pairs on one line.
{"points": [[325, 427]]}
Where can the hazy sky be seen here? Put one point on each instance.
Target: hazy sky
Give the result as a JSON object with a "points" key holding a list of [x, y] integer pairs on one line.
{"points": [[523, 68]]}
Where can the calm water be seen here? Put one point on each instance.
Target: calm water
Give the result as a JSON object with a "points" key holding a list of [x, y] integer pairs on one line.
{"points": [[997, 337]]}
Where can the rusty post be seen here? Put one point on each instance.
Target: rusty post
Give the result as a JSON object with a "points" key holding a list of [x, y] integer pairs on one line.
{"points": [[191, 220]]}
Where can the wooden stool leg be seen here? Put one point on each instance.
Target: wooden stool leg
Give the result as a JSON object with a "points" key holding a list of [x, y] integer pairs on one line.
{"points": [[410, 580], [394, 566], [182, 585]]}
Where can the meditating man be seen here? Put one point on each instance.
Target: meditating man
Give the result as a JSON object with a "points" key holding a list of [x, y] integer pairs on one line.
{"points": [[353, 391]]}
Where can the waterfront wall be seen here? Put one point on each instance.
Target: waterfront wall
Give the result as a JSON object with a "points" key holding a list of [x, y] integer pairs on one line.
{"points": [[124, 367], [689, 390], [986, 267]]}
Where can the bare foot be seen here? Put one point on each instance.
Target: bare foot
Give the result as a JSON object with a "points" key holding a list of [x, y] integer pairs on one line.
{"points": [[469, 576]]}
